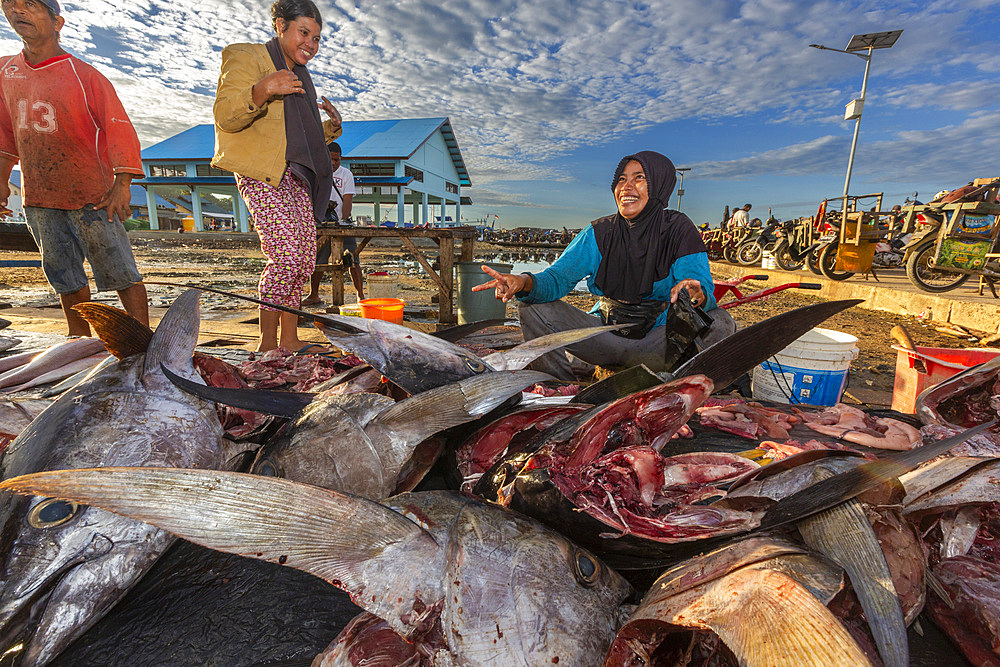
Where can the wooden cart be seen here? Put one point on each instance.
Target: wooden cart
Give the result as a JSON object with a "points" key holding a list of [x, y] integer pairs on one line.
{"points": [[967, 241]]}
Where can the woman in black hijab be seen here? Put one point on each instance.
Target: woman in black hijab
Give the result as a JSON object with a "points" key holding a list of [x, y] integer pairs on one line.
{"points": [[637, 260]]}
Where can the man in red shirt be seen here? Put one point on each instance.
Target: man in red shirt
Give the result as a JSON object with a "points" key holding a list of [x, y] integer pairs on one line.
{"points": [[78, 151]]}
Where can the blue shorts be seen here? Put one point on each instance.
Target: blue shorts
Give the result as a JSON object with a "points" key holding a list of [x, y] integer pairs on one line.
{"points": [[66, 238]]}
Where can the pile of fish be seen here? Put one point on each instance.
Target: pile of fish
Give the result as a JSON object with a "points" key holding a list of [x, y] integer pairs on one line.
{"points": [[456, 522], [70, 360]]}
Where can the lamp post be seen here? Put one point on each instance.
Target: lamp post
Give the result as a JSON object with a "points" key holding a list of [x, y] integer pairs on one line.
{"points": [[866, 42], [680, 190]]}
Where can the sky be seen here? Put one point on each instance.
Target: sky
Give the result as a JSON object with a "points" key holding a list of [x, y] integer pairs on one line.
{"points": [[546, 97]]}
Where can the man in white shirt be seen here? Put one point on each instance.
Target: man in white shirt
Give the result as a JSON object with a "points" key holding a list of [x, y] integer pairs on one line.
{"points": [[342, 200], [741, 218]]}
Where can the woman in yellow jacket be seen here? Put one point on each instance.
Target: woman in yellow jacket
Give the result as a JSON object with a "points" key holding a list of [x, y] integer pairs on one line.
{"points": [[269, 134]]}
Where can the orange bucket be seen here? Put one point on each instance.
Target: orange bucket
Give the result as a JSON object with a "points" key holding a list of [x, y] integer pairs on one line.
{"points": [[390, 310]]}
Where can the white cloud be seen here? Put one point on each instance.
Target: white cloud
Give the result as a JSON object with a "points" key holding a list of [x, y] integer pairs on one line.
{"points": [[941, 154], [526, 83]]}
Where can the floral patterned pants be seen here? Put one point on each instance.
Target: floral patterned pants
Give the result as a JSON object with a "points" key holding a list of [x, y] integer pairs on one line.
{"points": [[284, 220]]}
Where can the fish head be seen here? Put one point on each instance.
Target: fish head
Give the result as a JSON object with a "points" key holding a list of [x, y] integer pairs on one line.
{"points": [[440, 568], [63, 570], [412, 359], [516, 588], [326, 446]]}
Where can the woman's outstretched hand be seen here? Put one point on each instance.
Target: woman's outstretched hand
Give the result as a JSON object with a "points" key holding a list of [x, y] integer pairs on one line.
{"points": [[507, 285], [694, 291]]}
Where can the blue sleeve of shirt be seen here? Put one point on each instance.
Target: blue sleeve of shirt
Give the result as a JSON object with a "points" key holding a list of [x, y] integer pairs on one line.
{"points": [[579, 260], [694, 267]]}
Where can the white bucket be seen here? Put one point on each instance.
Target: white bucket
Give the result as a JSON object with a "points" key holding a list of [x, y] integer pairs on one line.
{"points": [[812, 370], [768, 261], [383, 287]]}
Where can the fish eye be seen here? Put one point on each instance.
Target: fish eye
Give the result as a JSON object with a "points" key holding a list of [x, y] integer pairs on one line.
{"points": [[266, 468], [475, 365], [586, 568], [52, 512]]}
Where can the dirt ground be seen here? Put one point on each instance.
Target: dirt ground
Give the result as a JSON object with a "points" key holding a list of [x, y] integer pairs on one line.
{"points": [[236, 265]]}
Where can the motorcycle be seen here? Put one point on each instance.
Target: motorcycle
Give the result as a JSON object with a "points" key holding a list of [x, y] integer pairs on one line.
{"points": [[890, 253], [732, 240], [799, 243], [752, 250]]}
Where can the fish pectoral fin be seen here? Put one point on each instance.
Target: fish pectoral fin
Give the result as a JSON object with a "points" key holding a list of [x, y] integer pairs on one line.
{"points": [[443, 407], [330, 320], [278, 403], [520, 356], [121, 333], [355, 544]]}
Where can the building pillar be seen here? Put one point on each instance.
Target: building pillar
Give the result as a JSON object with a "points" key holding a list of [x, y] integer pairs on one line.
{"points": [[424, 199], [400, 206], [415, 212], [199, 224], [240, 213], [154, 220], [458, 209], [377, 210]]}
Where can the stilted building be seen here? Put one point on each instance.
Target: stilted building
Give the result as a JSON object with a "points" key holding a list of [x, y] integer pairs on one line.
{"points": [[411, 165]]}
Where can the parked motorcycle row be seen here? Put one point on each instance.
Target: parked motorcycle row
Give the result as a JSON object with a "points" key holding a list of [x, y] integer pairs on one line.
{"points": [[916, 238], [790, 243]]}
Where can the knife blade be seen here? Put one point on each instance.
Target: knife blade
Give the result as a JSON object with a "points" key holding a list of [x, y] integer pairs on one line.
{"points": [[734, 355], [846, 485]]}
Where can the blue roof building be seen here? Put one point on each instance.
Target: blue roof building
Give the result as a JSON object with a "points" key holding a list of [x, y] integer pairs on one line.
{"points": [[401, 163]]}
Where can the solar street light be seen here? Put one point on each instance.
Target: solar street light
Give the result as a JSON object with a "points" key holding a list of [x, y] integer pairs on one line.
{"points": [[864, 42], [680, 190]]}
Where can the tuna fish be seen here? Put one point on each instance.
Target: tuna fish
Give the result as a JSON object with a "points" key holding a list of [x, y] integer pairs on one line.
{"points": [[598, 476], [64, 564], [963, 400], [50, 359], [435, 566], [417, 361], [365, 443], [84, 366], [763, 598]]}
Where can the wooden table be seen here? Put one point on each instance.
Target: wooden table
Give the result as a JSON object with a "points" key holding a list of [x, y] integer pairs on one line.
{"points": [[443, 237]]}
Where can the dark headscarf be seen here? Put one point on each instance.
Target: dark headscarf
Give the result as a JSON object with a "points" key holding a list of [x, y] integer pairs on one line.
{"points": [[305, 149], [637, 253]]}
